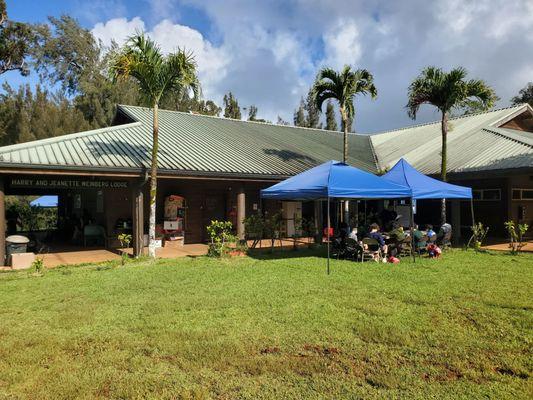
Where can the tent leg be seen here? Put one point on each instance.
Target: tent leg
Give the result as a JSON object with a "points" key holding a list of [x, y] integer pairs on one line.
{"points": [[472, 211], [328, 235], [411, 228]]}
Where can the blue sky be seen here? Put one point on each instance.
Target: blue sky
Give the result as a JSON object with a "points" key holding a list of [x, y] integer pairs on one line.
{"points": [[268, 52]]}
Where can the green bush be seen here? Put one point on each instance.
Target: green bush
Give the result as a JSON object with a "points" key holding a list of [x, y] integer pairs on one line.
{"points": [[479, 233], [516, 235], [222, 240], [125, 240]]}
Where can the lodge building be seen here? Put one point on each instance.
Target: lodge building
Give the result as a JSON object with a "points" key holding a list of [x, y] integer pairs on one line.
{"points": [[217, 166]]}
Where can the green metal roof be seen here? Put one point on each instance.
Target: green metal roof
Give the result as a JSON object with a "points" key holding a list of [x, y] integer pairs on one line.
{"points": [[475, 143], [192, 144], [198, 145]]}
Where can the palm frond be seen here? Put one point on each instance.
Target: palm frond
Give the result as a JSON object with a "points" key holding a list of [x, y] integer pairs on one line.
{"points": [[141, 59]]}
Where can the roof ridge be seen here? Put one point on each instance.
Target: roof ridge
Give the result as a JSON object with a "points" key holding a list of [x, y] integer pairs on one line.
{"points": [[517, 107], [125, 106], [68, 136], [515, 137]]}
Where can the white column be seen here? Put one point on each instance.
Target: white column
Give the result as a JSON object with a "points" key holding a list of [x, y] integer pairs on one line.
{"points": [[241, 213]]}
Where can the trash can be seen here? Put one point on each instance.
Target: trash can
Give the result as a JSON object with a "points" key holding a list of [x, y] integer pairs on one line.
{"points": [[16, 244]]}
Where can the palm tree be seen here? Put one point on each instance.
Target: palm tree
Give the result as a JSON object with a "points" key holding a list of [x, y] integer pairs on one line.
{"points": [[446, 91], [343, 86], [156, 75]]}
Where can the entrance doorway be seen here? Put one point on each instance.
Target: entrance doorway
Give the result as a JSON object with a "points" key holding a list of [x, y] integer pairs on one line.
{"points": [[214, 207]]}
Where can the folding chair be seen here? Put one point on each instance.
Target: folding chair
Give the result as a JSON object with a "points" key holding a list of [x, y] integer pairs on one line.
{"points": [[371, 249], [405, 248], [353, 250], [419, 250]]}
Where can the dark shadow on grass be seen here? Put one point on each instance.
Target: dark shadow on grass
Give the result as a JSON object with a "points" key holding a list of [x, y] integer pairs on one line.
{"points": [[266, 253]]}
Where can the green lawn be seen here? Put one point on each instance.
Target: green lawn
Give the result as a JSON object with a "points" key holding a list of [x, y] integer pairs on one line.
{"points": [[460, 327]]}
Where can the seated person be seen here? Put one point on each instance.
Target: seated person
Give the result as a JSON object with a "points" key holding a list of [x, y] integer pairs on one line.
{"points": [[343, 232], [375, 234], [397, 232], [429, 231], [353, 234], [397, 236], [445, 234], [418, 235]]}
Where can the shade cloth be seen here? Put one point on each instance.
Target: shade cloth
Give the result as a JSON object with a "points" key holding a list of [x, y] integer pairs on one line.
{"points": [[422, 186], [45, 201], [334, 179]]}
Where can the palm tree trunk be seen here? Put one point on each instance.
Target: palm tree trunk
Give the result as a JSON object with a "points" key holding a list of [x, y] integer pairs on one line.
{"points": [[153, 182], [444, 155], [346, 205], [345, 128]]}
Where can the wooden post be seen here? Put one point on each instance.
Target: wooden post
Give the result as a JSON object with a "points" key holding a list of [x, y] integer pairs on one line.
{"points": [[318, 221], [241, 213], [456, 221], [2, 225], [138, 220]]}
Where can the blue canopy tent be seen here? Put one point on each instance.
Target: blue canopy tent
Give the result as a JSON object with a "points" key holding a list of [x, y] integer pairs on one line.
{"points": [[424, 187], [336, 180], [45, 201]]}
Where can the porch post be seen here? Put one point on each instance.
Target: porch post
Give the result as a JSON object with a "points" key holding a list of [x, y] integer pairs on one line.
{"points": [[318, 221], [2, 224], [138, 220], [456, 221], [241, 213]]}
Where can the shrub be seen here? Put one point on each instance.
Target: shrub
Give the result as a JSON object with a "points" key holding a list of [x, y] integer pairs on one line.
{"points": [[479, 233], [254, 226], [38, 265], [516, 235], [125, 240], [222, 240]]}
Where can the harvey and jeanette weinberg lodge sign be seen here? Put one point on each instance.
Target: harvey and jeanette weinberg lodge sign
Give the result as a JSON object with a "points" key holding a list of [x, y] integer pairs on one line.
{"points": [[67, 184]]}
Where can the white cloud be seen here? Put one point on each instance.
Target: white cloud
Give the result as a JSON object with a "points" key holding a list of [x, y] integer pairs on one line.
{"points": [[211, 61], [268, 52], [117, 29], [342, 44]]}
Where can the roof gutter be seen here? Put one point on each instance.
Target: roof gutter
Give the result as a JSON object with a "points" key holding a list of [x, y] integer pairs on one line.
{"points": [[6, 168]]}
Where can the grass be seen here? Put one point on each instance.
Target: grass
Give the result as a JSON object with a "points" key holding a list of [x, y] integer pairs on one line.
{"points": [[270, 327]]}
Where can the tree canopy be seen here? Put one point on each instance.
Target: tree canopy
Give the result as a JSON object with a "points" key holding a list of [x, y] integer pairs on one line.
{"points": [[16, 42], [231, 107], [525, 95]]}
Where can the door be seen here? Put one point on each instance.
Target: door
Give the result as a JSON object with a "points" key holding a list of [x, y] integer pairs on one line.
{"points": [[214, 207]]}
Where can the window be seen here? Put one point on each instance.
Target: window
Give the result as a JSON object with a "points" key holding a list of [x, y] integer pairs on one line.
{"points": [[487, 194], [522, 194]]}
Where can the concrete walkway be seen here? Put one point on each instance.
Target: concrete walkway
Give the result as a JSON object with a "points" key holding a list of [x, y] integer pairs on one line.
{"points": [[504, 246], [83, 255]]}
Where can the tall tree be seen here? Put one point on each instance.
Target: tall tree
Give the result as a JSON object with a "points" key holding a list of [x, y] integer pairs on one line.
{"points": [[16, 41], [281, 121], [27, 114], [156, 75], [299, 115], [313, 113], [525, 95], [331, 118], [231, 107], [252, 114], [71, 58], [343, 87], [447, 91]]}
